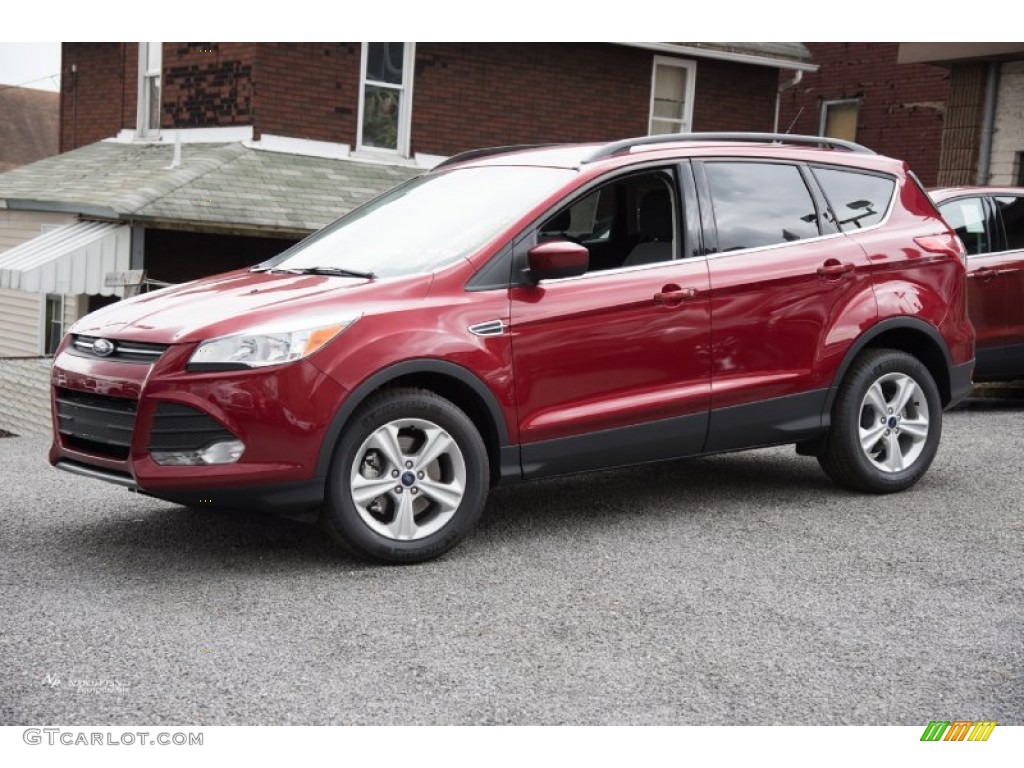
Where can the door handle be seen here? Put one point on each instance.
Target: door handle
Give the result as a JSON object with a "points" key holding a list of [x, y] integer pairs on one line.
{"points": [[985, 274], [672, 295], [834, 269]]}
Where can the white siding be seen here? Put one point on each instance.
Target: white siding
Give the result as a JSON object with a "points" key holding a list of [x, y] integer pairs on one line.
{"points": [[16, 227], [74, 308], [20, 323], [21, 313]]}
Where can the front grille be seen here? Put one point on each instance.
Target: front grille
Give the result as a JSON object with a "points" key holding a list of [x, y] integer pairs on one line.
{"points": [[97, 424], [178, 427], [125, 351]]}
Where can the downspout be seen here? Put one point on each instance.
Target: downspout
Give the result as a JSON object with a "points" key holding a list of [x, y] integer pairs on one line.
{"points": [[988, 124], [778, 96]]}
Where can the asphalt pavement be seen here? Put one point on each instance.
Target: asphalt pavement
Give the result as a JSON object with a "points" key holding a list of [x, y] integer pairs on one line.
{"points": [[738, 589]]}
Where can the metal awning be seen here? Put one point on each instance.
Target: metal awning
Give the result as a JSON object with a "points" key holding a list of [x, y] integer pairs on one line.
{"points": [[71, 259]]}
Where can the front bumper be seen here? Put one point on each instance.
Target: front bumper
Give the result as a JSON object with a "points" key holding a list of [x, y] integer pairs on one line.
{"points": [[109, 414]]}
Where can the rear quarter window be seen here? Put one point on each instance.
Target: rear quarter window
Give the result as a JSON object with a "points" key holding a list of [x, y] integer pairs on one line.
{"points": [[858, 200]]}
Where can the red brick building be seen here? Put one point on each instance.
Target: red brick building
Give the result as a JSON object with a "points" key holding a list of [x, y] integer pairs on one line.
{"points": [[861, 93], [424, 98], [953, 111]]}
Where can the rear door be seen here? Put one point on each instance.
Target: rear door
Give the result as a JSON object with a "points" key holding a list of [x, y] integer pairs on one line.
{"points": [[988, 303], [781, 275], [1010, 265]]}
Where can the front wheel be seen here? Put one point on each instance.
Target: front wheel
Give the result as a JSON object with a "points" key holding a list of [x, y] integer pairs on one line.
{"points": [[408, 480], [886, 424]]}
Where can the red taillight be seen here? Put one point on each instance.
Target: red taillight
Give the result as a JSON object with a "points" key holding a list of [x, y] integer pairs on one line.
{"points": [[946, 243]]}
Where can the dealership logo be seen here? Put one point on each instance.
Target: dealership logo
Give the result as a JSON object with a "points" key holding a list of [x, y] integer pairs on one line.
{"points": [[958, 730], [103, 347]]}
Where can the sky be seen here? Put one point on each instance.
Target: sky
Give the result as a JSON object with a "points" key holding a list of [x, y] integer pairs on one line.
{"points": [[34, 65]]}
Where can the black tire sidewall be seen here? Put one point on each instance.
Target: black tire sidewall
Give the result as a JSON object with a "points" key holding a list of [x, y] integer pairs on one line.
{"points": [[869, 369], [342, 519]]}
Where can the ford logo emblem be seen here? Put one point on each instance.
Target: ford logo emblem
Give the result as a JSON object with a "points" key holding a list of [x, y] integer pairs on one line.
{"points": [[103, 347]]}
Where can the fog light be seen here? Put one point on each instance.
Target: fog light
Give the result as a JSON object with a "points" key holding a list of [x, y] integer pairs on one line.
{"points": [[226, 452]]}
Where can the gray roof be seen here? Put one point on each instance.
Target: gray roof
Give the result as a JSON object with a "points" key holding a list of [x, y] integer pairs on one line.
{"points": [[216, 186], [790, 51]]}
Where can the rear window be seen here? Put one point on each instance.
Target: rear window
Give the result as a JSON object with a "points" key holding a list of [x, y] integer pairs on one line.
{"points": [[859, 200]]}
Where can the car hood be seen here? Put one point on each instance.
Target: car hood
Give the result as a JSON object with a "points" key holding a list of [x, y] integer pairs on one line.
{"points": [[237, 302]]}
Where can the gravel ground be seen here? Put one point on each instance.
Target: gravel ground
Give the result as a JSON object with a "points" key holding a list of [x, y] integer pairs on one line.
{"points": [[739, 589]]}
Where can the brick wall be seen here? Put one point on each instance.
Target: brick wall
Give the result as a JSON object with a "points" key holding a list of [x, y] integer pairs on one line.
{"points": [[901, 105], [481, 94], [308, 90], [25, 396], [485, 94], [207, 84], [466, 95], [733, 97], [962, 135], [98, 99]]}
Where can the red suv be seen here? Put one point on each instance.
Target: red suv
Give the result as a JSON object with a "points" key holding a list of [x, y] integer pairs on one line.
{"points": [[524, 312], [990, 222]]}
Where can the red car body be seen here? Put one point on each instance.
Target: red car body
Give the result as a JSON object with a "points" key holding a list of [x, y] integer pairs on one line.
{"points": [[995, 272], [711, 351]]}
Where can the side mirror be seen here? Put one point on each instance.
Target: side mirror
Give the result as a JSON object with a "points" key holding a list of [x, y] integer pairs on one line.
{"points": [[557, 258]]}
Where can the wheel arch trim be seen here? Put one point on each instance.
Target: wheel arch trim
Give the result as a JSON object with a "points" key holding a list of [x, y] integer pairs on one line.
{"points": [[394, 372], [912, 324]]}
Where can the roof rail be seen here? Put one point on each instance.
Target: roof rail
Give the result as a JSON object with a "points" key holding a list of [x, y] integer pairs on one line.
{"points": [[608, 150], [475, 154]]}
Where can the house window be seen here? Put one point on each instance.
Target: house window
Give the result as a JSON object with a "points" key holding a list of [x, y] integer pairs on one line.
{"points": [[839, 119], [385, 104], [148, 113], [672, 84], [53, 323]]}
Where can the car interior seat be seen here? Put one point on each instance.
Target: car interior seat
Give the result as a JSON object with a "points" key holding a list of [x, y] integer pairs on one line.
{"points": [[655, 230]]}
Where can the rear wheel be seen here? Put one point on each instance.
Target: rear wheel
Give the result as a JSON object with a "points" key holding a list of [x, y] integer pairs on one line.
{"points": [[886, 424], [409, 478]]}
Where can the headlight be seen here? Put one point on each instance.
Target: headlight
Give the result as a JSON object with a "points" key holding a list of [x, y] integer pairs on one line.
{"points": [[262, 348]]}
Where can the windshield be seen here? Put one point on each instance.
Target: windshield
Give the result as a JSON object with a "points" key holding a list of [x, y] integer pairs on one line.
{"points": [[424, 224]]}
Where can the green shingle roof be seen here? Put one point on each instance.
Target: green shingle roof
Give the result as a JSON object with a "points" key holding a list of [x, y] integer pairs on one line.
{"points": [[226, 186]]}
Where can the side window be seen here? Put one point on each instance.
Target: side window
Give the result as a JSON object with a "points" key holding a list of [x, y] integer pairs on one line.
{"points": [[758, 204], [627, 222], [858, 200], [967, 217], [1011, 210]]}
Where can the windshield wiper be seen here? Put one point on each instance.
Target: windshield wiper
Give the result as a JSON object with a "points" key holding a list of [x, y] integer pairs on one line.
{"points": [[330, 271]]}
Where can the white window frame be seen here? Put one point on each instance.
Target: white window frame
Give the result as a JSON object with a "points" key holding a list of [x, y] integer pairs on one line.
{"points": [[44, 326], [143, 130], [686, 125], [405, 103], [823, 113]]}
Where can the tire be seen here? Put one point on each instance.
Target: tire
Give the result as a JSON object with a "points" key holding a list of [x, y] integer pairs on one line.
{"points": [[886, 424], [429, 464]]}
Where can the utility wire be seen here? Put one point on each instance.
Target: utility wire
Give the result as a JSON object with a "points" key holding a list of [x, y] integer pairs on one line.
{"points": [[29, 82]]}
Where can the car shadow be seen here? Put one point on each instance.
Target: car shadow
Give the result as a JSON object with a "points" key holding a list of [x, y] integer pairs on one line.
{"points": [[153, 538]]}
